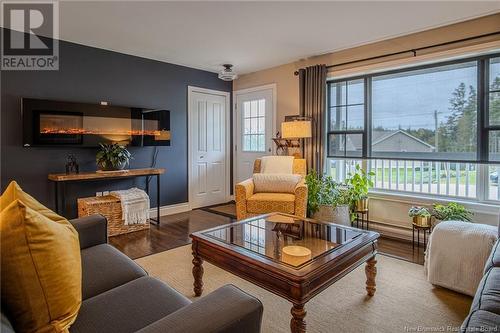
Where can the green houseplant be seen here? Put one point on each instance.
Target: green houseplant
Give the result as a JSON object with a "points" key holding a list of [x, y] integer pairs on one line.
{"points": [[452, 211], [360, 182], [421, 216], [112, 157], [327, 199], [320, 191]]}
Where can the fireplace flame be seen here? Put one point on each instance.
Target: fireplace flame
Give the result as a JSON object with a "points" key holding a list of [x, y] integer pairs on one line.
{"points": [[81, 131]]}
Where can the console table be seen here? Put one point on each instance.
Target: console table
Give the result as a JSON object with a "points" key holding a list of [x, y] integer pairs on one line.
{"points": [[63, 178]]}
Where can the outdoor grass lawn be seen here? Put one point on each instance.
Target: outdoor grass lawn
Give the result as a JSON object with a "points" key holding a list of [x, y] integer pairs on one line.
{"points": [[425, 174], [418, 175]]}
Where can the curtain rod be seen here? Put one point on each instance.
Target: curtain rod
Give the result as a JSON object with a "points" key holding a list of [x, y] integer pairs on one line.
{"points": [[414, 51]]}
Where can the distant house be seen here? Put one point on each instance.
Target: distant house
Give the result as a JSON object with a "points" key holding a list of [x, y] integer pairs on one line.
{"points": [[391, 141]]}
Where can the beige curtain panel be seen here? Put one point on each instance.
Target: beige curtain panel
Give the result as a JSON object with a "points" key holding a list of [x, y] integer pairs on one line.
{"points": [[312, 85]]}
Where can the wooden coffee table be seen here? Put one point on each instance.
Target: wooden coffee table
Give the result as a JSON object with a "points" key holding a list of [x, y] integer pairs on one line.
{"points": [[292, 257]]}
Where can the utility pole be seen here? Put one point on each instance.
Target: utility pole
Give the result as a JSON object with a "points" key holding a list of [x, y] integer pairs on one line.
{"points": [[436, 134]]}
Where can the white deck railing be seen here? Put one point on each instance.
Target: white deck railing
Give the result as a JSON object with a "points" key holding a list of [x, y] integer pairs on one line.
{"points": [[427, 177]]}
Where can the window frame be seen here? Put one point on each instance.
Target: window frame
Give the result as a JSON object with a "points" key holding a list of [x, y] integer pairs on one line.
{"points": [[483, 127], [251, 135], [486, 100], [346, 132]]}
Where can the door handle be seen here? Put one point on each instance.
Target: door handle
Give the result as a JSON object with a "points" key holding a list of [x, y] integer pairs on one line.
{"points": [[269, 149], [202, 156]]}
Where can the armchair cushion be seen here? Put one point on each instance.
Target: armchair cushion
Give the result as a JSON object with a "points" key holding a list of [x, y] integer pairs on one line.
{"points": [[262, 203], [277, 164], [275, 182]]}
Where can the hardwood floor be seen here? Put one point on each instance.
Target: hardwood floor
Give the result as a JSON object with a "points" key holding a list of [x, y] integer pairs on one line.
{"points": [[174, 231], [401, 249]]}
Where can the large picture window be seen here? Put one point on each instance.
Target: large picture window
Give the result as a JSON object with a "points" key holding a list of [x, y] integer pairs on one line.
{"points": [[432, 113], [432, 129], [426, 114]]}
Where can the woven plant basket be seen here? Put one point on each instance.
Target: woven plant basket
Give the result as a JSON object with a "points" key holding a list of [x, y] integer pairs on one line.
{"points": [[111, 208]]}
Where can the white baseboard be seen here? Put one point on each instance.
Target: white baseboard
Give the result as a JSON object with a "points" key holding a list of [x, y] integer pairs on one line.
{"points": [[391, 231], [170, 209]]}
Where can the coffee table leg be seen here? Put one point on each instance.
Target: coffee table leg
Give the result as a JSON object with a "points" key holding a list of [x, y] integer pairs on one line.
{"points": [[297, 324], [197, 271], [371, 272]]}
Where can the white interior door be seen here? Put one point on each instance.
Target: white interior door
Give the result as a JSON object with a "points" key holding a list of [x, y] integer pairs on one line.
{"points": [[254, 129], [208, 146]]}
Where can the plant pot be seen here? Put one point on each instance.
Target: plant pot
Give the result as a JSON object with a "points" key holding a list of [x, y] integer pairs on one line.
{"points": [[107, 166], [362, 205], [422, 221], [339, 215]]}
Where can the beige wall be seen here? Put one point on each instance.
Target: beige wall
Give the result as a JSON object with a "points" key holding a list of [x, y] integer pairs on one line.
{"points": [[287, 83]]}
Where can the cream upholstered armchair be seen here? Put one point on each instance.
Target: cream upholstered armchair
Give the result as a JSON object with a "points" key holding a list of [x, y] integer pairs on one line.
{"points": [[249, 203]]}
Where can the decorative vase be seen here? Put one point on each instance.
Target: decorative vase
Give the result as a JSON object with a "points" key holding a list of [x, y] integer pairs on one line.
{"points": [[339, 214], [362, 205], [422, 221]]}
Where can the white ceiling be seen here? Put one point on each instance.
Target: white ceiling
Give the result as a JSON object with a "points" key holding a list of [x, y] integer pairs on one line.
{"points": [[250, 35]]}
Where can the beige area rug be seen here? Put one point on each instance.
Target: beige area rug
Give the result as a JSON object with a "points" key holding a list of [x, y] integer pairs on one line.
{"points": [[404, 301]]}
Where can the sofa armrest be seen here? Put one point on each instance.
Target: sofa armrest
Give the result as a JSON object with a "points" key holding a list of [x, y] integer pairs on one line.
{"points": [[226, 310], [243, 191], [301, 199], [92, 230]]}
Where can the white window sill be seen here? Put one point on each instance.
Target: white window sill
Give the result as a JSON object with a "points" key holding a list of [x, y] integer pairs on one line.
{"points": [[486, 207]]}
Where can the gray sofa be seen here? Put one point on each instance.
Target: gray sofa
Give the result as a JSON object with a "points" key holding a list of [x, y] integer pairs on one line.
{"points": [[484, 315], [119, 296]]}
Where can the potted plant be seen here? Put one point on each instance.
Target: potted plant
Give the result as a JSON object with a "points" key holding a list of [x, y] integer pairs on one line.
{"points": [[326, 199], [111, 157], [421, 216], [360, 182], [452, 211], [342, 201]]}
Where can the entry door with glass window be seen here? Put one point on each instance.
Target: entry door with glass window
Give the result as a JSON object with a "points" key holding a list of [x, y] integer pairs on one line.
{"points": [[254, 130]]}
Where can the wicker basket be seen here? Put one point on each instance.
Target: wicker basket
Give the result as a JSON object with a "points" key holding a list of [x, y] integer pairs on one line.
{"points": [[110, 207]]}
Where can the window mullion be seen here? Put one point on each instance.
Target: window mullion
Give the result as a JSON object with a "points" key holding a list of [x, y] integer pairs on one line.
{"points": [[368, 116], [482, 110], [482, 181]]}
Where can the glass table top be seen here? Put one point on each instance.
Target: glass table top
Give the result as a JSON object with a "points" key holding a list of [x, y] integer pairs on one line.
{"points": [[285, 239]]}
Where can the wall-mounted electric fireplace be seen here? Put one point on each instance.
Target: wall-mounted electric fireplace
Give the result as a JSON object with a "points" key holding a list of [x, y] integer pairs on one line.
{"points": [[56, 123]]}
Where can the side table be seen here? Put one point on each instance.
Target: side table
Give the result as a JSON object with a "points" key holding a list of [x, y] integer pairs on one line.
{"points": [[425, 230], [362, 217]]}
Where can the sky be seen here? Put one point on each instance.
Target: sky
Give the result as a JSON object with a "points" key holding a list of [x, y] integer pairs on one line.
{"points": [[409, 100]]}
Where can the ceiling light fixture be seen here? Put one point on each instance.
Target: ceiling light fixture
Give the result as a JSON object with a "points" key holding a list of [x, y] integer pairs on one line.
{"points": [[227, 73]]}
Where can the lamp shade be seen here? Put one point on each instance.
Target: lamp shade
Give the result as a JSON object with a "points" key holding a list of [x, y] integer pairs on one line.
{"points": [[296, 129]]}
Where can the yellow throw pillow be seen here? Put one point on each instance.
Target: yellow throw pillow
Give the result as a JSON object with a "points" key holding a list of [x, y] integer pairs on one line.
{"points": [[41, 272], [14, 192]]}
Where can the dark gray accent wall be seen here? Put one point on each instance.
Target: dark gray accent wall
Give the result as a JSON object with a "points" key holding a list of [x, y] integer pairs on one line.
{"points": [[91, 75]]}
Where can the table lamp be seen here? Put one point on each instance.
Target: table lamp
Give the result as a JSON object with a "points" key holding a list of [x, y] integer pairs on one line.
{"points": [[293, 129]]}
